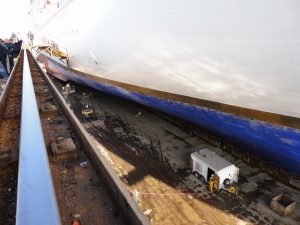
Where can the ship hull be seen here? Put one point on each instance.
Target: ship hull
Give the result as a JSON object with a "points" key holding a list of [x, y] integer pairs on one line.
{"points": [[241, 53], [276, 138]]}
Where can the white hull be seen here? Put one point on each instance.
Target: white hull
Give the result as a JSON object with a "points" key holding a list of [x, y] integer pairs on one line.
{"points": [[238, 52]]}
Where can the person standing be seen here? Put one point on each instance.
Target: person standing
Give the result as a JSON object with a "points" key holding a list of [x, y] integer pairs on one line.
{"points": [[9, 51], [3, 58], [30, 38]]}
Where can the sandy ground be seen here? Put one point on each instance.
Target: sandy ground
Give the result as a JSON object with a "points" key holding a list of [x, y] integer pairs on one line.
{"points": [[150, 155], [8, 193]]}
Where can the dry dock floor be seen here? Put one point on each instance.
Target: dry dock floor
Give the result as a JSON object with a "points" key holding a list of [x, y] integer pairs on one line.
{"points": [[151, 155]]}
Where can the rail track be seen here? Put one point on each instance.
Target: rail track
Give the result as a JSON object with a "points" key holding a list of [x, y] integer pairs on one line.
{"points": [[50, 173]]}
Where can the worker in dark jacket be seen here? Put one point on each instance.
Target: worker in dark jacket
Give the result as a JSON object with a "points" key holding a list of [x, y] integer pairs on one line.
{"points": [[9, 51], [3, 56]]}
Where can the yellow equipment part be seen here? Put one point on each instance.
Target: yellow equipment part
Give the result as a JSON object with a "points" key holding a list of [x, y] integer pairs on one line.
{"points": [[231, 189], [87, 112], [52, 51], [211, 183]]}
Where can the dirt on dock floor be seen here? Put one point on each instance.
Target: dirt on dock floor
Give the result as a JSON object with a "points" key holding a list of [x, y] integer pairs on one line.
{"points": [[151, 155], [8, 193], [9, 153]]}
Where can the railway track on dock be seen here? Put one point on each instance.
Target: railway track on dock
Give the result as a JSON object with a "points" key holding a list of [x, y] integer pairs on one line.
{"points": [[50, 173]]}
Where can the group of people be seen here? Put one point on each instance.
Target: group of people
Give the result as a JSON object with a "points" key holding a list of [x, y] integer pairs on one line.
{"points": [[9, 49]]}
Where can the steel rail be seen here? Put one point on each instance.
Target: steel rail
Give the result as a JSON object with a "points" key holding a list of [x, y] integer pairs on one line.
{"points": [[36, 200], [128, 208]]}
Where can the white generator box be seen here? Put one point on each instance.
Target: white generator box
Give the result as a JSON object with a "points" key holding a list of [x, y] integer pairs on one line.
{"points": [[205, 163]]}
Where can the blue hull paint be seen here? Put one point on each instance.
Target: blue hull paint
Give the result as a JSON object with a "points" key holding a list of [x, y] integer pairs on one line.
{"points": [[278, 144]]}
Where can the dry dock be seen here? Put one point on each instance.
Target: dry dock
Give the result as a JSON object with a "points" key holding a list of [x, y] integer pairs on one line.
{"points": [[127, 164], [150, 155]]}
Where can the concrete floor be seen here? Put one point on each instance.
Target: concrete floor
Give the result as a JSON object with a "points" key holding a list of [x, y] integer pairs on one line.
{"points": [[151, 155]]}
